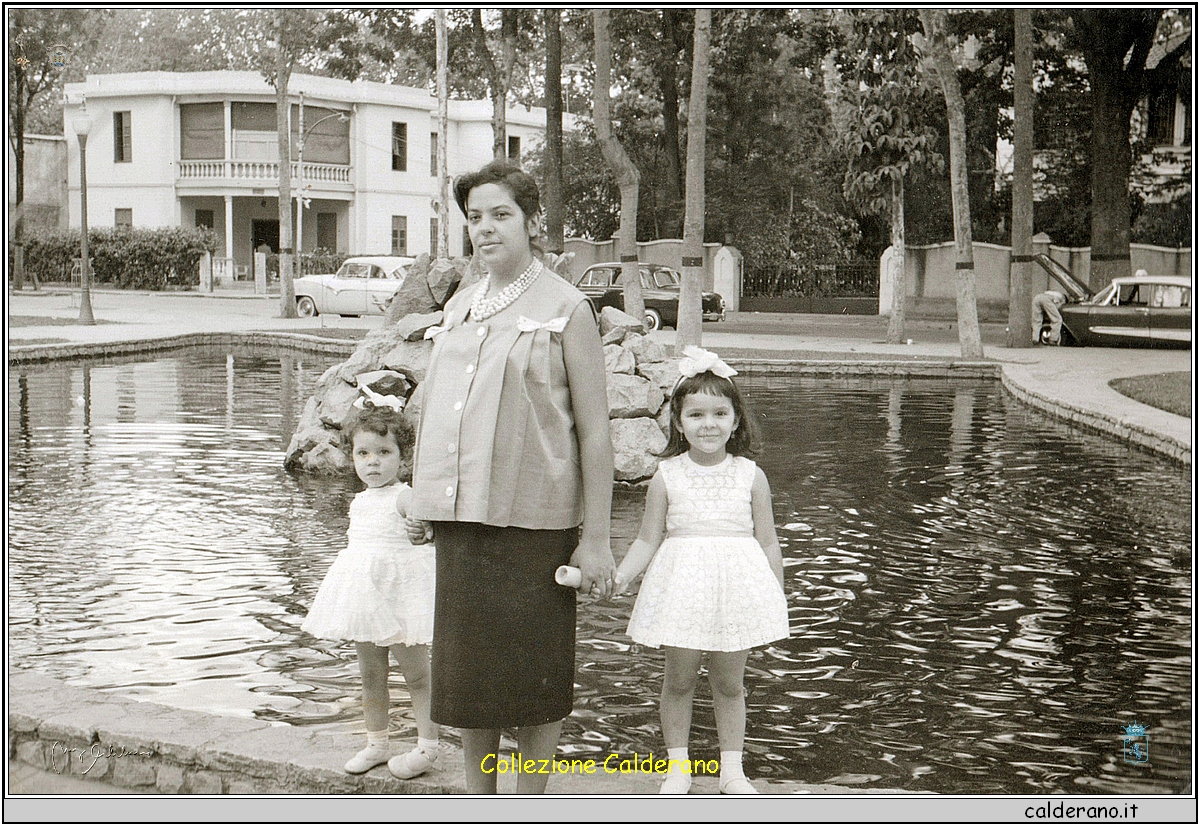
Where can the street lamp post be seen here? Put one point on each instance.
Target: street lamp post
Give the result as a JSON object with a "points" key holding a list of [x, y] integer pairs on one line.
{"points": [[83, 124], [300, 198]]}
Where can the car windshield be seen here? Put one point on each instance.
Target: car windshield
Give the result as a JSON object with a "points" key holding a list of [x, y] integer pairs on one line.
{"points": [[1105, 296]]}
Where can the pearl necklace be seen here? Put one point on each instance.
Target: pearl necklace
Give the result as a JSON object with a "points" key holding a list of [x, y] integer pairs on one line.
{"points": [[481, 308]]}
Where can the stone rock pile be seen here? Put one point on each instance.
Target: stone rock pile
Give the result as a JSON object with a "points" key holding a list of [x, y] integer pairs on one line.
{"points": [[639, 375]]}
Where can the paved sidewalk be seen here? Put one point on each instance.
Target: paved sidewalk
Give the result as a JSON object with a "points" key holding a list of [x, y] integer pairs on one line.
{"points": [[1068, 381]]}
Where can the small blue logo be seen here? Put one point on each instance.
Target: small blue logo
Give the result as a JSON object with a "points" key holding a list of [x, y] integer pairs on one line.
{"points": [[1135, 744]]}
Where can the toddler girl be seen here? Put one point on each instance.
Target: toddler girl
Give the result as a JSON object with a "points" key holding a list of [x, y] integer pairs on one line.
{"points": [[715, 577], [379, 590]]}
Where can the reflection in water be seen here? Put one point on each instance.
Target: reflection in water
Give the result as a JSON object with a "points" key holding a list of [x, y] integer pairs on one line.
{"points": [[980, 597]]}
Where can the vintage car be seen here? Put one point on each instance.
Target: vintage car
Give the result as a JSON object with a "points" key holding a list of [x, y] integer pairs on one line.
{"points": [[362, 286], [1146, 310], [601, 283]]}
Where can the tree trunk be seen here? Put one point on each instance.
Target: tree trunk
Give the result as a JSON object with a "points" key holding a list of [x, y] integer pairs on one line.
{"points": [[554, 125], [1020, 286], [668, 80], [690, 319], [623, 168], [18, 217], [283, 112], [443, 92], [895, 330], [499, 77], [1111, 162], [964, 266]]}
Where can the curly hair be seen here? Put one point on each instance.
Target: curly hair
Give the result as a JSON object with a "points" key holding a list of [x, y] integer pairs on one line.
{"points": [[745, 439], [520, 185], [382, 421]]}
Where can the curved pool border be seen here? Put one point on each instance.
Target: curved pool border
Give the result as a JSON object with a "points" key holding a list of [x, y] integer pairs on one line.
{"points": [[1128, 432]]}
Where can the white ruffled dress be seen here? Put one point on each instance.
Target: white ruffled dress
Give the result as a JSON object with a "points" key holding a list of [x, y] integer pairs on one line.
{"points": [[709, 586], [380, 587]]}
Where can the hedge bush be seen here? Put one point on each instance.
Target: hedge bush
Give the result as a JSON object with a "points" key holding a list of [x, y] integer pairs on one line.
{"points": [[318, 262], [129, 258]]}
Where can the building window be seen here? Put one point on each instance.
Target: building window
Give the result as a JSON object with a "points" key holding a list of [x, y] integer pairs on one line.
{"points": [[433, 236], [205, 219], [202, 131], [327, 231], [468, 249], [399, 235], [122, 140], [514, 148], [433, 154], [123, 218], [400, 147]]}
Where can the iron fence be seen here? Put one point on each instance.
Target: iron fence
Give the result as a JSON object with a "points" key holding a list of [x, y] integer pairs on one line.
{"points": [[815, 280]]}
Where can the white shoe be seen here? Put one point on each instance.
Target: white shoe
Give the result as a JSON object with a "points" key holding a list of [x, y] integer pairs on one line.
{"points": [[412, 763], [737, 785], [367, 759], [676, 784]]}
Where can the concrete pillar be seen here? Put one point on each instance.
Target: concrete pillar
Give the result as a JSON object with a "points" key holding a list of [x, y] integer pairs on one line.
{"points": [[260, 273], [206, 284], [727, 276], [229, 227]]}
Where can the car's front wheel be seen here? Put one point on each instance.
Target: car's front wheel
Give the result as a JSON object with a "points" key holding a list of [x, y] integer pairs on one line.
{"points": [[652, 320], [306, 307]]}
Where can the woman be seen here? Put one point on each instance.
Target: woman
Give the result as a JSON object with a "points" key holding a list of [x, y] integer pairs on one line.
{"points": [[514, 469]]}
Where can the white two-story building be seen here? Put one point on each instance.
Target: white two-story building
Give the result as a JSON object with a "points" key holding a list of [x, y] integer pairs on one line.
{"points": [[200, 149]]}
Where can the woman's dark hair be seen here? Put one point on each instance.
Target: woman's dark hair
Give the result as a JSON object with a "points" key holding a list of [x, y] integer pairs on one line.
{"points": [[745, 439], [382, 421], [520, 185]]}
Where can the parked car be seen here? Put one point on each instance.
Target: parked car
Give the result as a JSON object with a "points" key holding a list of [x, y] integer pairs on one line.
{"points": [[1147, 310], [361, 286], [601, 283]]}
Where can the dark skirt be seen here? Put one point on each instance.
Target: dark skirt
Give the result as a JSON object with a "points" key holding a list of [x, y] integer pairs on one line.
{"points": [[503, 629]]}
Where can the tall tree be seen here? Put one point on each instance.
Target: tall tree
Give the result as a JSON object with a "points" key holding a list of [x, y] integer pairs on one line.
{"points": [[1115, 44], [881, 138], [671, 43], [443, 92], [623, 168], [1020, 288], [293, 32], [553, 162], [499, 73], [690, 322], [33, 34], [933, 21]]}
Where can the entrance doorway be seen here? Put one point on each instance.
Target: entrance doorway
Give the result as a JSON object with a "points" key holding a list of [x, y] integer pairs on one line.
{"points": [[265, 231]]}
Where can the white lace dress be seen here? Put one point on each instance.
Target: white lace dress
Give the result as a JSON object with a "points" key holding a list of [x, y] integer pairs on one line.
{"points": [[709, 586], [380, 588]]}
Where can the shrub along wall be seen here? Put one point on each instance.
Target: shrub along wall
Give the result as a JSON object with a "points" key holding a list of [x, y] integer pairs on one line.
{"points": [[131, 258]]}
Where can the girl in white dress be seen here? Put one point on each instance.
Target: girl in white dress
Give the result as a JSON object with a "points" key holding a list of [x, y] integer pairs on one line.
{"points": [[379, 591], [715, 577]]}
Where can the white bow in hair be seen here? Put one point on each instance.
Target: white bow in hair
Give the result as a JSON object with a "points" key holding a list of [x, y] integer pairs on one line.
{"points": [[379, 399], [697, 360], [554, 325]]}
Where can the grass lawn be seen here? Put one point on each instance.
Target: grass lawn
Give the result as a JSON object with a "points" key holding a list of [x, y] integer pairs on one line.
{"points": [[1171, 392]]}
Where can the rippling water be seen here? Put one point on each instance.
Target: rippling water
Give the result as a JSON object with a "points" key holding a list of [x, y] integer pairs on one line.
{"points": [[981, 598]]}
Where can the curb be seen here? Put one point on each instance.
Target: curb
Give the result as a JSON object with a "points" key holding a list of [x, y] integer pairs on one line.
{"points": [[1130, 433]]}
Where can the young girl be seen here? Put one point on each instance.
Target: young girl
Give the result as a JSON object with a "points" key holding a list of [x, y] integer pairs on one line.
{"points": [[379, 590], [715, 581]]}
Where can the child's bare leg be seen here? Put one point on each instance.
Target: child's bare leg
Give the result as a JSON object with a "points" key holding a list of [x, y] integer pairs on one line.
{"points": [[479, 743], [373, 666], [537, 743], [725, 672], [679, 687], [414, 664]]}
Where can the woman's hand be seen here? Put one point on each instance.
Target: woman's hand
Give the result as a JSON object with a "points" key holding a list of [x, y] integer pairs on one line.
{"points": [[419, 531], [595, 561]]}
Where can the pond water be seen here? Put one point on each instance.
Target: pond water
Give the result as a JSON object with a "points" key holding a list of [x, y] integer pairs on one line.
{"points": [[981, 597]]}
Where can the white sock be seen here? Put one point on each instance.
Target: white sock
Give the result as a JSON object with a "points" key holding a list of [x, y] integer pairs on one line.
{"points": [[678, 755], [731, 765], [430, 747], [377, 739]]}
